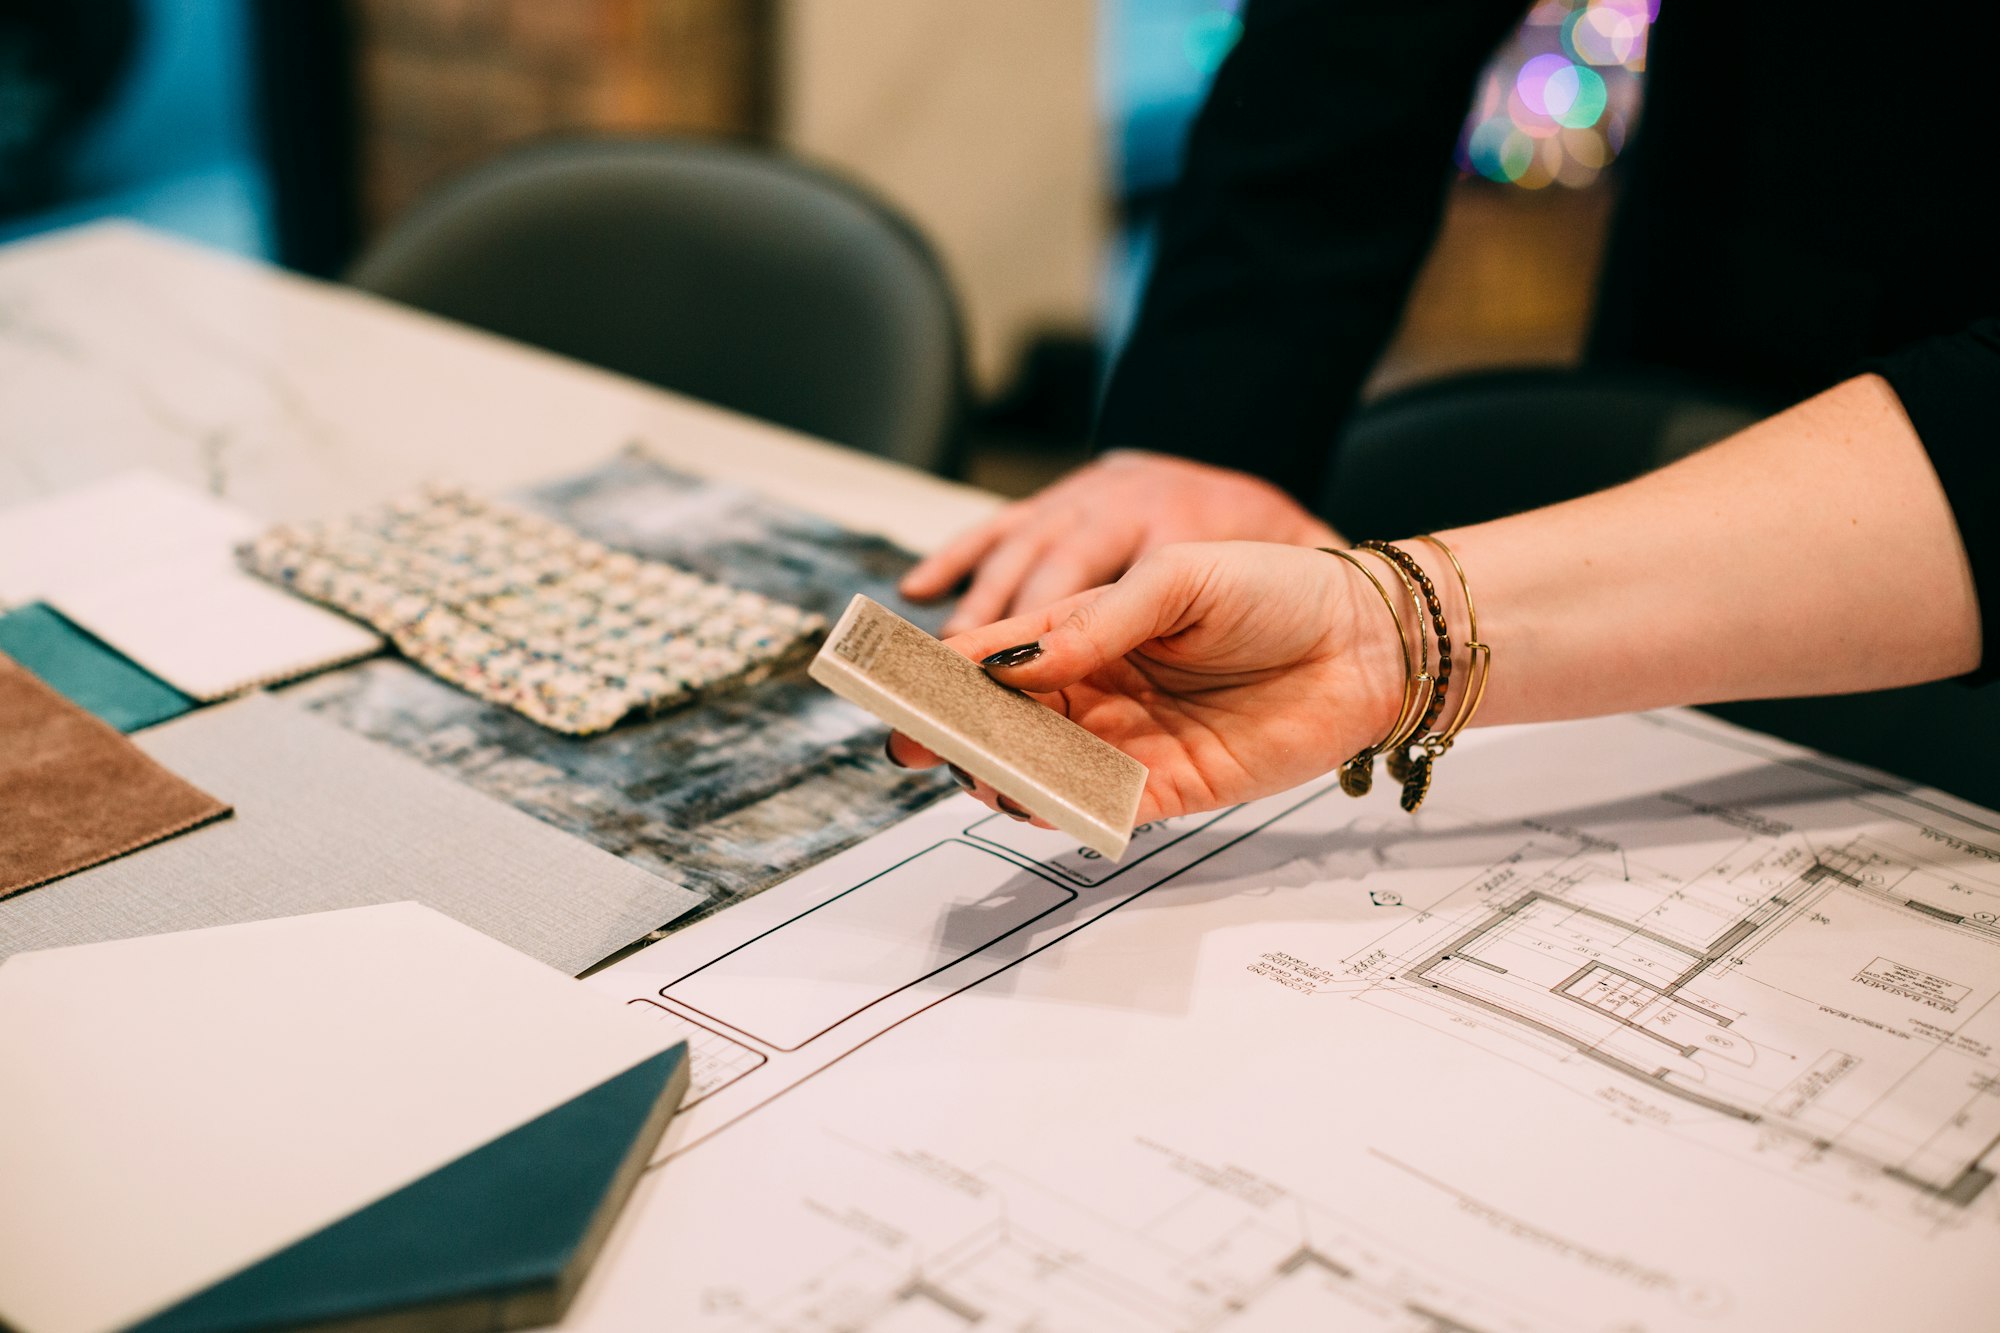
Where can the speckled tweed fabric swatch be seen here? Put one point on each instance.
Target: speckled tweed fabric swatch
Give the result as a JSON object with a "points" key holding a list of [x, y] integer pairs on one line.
{"points": [[527, 613], [148, 566]]}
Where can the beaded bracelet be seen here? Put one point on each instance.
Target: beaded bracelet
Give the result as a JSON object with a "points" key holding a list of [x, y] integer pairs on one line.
{"points": [[1418, 611], [1413, 770], [1357, 775], [1479, 663], [1427, 684]]}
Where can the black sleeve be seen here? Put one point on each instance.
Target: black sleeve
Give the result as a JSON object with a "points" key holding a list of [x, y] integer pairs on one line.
{"points": [[1950, 387], [1312, 186]]}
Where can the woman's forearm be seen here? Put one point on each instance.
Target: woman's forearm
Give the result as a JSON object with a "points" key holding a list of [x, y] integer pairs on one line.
{"points": [[1813, 553]]}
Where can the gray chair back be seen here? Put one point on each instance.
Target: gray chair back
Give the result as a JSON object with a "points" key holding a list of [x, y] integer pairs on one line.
{"points": [[727, 273]]}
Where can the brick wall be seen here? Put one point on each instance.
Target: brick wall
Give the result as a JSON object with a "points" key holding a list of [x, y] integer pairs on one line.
{"points": [[446, 84]]}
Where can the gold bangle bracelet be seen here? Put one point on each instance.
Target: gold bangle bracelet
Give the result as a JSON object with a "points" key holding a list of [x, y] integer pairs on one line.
{"points": [[1357, 775], [1479, 657], [1426, 683]]}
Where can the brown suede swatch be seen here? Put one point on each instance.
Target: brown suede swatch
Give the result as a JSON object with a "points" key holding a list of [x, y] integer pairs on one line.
{"points": [[73, 792]]}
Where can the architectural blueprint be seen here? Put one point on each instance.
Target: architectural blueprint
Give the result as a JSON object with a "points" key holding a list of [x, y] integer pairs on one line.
{"points": [[1644, 1023]]}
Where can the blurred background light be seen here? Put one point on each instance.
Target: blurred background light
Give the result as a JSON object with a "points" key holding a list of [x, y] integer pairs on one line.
{"points": [[1554, 105], [1534, 78]]}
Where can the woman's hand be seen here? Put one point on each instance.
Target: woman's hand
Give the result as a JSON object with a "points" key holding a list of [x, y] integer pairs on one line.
{"points": [[1816, 552], [1231, 670], [1092, 526]]}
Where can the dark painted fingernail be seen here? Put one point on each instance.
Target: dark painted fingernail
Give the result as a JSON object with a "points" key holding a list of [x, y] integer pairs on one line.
{"points": [[889, 749], [1019, 655], [1012, 811], [961, 777]]}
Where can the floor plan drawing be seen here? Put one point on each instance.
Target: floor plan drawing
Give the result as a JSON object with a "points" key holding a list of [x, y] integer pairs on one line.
{"points": [[1664, 1040], [1842, 993], [1220, 1253]]}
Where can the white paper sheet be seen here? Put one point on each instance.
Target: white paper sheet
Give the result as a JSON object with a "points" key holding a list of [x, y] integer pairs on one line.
{"points": [[179, 1106], [148, 566], [1642, 1024]]}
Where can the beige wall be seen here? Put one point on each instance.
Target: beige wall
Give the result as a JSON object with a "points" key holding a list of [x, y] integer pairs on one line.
{"points": [[980, 121]]}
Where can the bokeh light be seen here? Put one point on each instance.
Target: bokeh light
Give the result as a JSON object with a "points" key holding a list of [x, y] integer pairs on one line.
{"points": [[1555, 104], [1537, 73], [1575, 96]]}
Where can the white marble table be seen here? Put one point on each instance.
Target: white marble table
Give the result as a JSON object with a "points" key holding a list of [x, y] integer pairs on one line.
{"points": [[120, 347]]}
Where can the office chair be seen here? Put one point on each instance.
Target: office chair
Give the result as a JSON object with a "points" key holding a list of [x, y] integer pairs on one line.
{"points": [[730, 274], [1474, 447], [1497, 442]]}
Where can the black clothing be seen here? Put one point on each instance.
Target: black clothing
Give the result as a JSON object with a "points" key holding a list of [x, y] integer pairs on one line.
{"points": [[1950, 386], [1803, 200], [1311, 188]]}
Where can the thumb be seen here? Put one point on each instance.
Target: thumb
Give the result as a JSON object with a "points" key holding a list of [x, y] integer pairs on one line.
{"points": [[1152, 600]]}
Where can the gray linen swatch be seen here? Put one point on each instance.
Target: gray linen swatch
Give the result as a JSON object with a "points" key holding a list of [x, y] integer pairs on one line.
{"points": [[327, 819]]}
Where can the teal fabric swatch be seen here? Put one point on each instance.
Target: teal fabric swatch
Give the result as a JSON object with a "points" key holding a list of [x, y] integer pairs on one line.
{"points": [[85, 671], [501, 1227]]}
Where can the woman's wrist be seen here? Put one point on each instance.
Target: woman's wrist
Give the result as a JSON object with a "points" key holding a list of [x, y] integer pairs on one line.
{"points": [[1425, 664]]}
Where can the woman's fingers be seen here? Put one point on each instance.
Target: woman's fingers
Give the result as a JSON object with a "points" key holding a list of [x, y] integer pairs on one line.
{"points": [[906, 753], [981, 643], [1082, 559], [1000, 574], [1099, 628], [937, 574]]}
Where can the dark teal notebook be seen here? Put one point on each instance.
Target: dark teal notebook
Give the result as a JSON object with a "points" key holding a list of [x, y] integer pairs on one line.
{"points": [[498, 1239], [86, 671]]}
